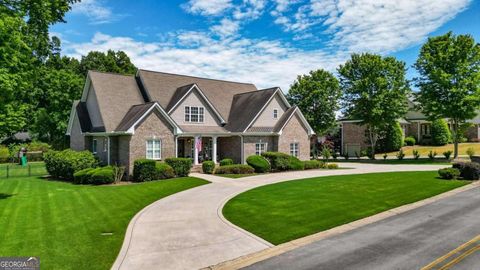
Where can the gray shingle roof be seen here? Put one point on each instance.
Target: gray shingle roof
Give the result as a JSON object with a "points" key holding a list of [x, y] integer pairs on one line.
{"points": [[162, 87], [132, 116], [245, 107], [83, 117], [181, 91], [284, 118], [115, 95]]}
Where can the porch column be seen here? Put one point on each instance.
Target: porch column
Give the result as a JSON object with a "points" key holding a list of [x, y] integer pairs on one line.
{"points": [[214, 149], [195, 150], [176, 146]]}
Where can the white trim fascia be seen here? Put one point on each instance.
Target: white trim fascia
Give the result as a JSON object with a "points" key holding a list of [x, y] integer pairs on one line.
{"points": [[73, 113], [112, 133], [195, 86], [349, 121], [262, 109], [284, 99], [178, 130]]}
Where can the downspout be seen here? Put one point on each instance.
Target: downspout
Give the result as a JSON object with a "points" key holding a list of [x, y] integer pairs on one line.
{"points": [[108, 150], [242, 154]]}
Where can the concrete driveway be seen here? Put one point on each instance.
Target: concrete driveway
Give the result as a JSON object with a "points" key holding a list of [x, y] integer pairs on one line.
{"points": [[442, 235], [187, 230]]}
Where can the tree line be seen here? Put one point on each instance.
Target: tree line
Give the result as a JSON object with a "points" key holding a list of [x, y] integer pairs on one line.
{"points": [[37, 82], [374, 88]]}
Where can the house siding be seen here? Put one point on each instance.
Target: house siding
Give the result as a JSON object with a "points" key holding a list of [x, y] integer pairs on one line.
{"points": [[77, 139], [265, 119], [229, 147], [249, 143], [293, 132], [93, 108], [472, 133], [353, 138], [194, 99], [153, 127]]}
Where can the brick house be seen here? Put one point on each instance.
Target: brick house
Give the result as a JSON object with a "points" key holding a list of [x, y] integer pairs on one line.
{"points": [[158, 115], [414, 124]]}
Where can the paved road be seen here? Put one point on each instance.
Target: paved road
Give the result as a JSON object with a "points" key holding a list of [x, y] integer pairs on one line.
{"points": [[410, 240], [187, 230]]}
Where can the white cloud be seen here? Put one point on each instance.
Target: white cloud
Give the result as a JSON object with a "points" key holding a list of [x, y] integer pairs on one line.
{"points": [[265, 63], [207, 7], [226, 28], [96, 11], [380, 26]]}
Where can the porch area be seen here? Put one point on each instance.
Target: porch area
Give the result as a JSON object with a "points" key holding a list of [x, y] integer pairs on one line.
{"points": [[208, 147]]}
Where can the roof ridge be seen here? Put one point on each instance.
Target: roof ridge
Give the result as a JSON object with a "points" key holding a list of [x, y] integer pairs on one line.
{"points": [[111, 73], [256, 91], [194, 77]]}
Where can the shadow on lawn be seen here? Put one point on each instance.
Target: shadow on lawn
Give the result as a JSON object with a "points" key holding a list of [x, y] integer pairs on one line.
{"points": [[5, 196]]}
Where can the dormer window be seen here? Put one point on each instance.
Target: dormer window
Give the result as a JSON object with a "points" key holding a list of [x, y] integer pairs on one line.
{"points": [[194, 114], [275, 113]]}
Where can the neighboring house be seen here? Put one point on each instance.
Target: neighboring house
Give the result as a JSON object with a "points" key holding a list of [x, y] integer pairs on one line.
{"points": [[158, 115], [414, 124]]}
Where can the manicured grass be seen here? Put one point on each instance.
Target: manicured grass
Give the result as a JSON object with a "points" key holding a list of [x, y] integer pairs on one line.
{"points": [[425, 149], [15, 170], [63, 223], [289, 210], [409, 161], [235, 175]]}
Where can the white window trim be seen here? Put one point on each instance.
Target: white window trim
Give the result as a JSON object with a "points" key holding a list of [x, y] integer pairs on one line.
{"points": [[94, 149], [190, 114], [275, 113], [296, 148], [260, 151], [105, 144], [153, 150]]}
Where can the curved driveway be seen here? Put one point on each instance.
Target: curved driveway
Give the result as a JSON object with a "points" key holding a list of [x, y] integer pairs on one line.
{"points": [[187, 230]]}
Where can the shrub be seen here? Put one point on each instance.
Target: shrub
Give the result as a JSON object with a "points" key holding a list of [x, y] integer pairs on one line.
{"points": [[410, 141], [326, 153], [432, 154], [468, 170], [278, 161], [259, 163], [63, 164], [181, 166], [400, 154], [226, 161], [449, 173], [38, 146], [447, 154], [332, 166], [235, 169], [208, 166], [144, 170], [95, 176], [385, 156], [164, 171], [470, 152], [118, 172], [440, 132], [295, 164], [102, 175], [416, 154], [82, 176], [335, 155], [392, 140], [4, 154], [312, 164]]}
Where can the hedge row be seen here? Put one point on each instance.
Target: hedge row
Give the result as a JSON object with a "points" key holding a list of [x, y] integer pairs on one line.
{"points": [[63, 164], [235, 169], [99, 176]]}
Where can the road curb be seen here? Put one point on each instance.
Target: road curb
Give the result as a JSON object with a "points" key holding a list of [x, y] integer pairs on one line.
{"points": [[250, 259]]}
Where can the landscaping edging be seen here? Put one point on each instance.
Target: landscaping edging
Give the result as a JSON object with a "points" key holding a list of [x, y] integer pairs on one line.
{"points": [[250, 259]]}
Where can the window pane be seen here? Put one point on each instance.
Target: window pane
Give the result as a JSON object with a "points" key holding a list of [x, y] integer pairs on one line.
{"points": [[187, 114], [194, 110], [194, 118]]}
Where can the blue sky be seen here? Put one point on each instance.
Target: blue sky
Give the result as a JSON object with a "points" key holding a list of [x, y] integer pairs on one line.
{"points": [[266, 42]]}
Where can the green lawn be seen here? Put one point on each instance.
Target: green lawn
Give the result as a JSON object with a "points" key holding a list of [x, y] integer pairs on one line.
{"points": [[425, 149], [63, 223], [289, 210], [409, 161], [15, 170]]}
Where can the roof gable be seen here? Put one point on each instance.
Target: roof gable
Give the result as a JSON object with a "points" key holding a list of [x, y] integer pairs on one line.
{"points": [[115, 94], [183, 92], [162, 87], [287, 116]]}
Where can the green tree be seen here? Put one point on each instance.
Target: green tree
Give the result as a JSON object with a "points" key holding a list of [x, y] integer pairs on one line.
{"points": [[15, 68], [392, 138], [375, 91], [117, 62], [449, 80], [440, 132], [317, 95]]}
